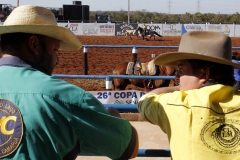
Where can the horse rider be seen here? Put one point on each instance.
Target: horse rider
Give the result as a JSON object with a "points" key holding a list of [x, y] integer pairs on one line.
{"points": [[144, 28]]}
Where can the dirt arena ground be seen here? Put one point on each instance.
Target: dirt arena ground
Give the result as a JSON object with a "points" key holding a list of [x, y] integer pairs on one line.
{"points": [[101, 61]]}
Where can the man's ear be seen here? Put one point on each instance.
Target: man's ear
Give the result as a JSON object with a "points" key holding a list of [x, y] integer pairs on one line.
{"points": [[205, 76], [34, 44]]}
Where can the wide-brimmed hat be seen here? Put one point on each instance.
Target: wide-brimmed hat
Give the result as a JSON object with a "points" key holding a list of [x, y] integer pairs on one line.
{"points": [[202, 45], [39, 20]]}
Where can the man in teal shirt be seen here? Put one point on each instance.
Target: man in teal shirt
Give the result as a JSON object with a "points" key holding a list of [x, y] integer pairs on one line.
{"points": [[46, 118]]}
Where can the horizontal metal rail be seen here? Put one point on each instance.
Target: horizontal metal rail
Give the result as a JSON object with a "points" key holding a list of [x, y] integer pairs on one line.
{"points": [[127, 46], [136, 46], [109, 77], [123, 107], [144, 153]]}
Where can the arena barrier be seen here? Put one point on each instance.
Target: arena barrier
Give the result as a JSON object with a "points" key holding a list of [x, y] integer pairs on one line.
{"points": [[110, 77], [145, 153], [123, 107]]}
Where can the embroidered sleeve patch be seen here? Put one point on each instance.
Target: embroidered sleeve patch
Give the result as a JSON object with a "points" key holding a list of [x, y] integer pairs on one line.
{"points": [[11, 128]]}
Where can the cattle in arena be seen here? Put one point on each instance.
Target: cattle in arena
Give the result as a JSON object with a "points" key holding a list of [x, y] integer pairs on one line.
{"points": [[130, 33]]}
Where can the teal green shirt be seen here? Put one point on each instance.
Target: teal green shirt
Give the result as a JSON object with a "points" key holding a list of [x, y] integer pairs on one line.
{"points": [[55, 114]]}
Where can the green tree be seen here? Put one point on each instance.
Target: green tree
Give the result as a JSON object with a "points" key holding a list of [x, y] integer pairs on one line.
{"points": [[143, 16]]}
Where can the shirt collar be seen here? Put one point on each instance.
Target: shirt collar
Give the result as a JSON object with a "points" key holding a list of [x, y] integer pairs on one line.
{"points": [[17, 62]]}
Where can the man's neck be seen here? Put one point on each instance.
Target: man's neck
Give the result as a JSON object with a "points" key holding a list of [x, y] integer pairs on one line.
{"points": [[6, 55]]}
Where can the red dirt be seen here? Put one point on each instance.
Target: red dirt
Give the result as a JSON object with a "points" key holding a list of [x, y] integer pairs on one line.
{"points": [[101, 61]]}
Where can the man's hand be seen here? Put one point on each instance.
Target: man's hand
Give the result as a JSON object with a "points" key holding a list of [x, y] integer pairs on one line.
{"points": [[114, 112]]}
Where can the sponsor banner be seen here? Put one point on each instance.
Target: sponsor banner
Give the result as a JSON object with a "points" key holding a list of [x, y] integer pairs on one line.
{"points": [[237, 30], [106, 29], [90, 29], [172, 30], [227, 29], [153, 27], [97, 29], [193, 27], [111, 29], [74, 27], [120, 27], [118, 97]]}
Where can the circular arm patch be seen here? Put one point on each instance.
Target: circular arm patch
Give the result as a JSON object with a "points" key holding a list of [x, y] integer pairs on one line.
{"points": [[11, 128]]}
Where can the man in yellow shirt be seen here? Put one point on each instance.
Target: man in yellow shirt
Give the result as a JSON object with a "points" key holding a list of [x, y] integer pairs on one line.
{"points": [[144, 28], [201, 116]]}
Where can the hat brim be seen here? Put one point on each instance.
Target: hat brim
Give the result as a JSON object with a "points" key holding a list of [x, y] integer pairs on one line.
{"points": [[68, 39], [170, 59]]}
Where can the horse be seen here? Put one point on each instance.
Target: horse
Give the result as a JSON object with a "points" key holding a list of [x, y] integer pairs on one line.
{"points": [[148, 33], [130, 33], [235, 56], [138, 68]]}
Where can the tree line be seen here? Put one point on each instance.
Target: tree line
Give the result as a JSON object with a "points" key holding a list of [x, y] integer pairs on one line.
{"points": [[143, 16]]}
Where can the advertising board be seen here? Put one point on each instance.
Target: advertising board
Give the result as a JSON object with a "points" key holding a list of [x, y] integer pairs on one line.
{"points": [[118, 97], [153, 27], [227, 29], [97, 29], [172, 30], [193, 27], [74, 27], [112, 29], [120, 27], [237, 30], [90, 29]]}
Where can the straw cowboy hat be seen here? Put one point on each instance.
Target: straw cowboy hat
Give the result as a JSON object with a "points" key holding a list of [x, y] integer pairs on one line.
{"points": [[39, 20], [202, 45]]}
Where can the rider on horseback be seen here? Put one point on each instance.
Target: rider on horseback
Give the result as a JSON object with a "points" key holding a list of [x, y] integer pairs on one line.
{"points": [[144, 28]]}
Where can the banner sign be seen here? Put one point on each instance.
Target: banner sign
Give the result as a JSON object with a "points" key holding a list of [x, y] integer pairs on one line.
{"points": [[120, 27], [237, 30], [118, 97], [193, 27], [153, 27], [112, 29], [97, 29], [172, 30], [90, 29], [74, 27], [227, 29]]}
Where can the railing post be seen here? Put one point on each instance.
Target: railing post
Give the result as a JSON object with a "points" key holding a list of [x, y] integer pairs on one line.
{"points": [[109, 83], [85, 50], [134, 53], [153, 56]]}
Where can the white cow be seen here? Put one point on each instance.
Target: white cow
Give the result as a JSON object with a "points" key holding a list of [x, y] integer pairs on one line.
{"points": [[130, 32]]}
